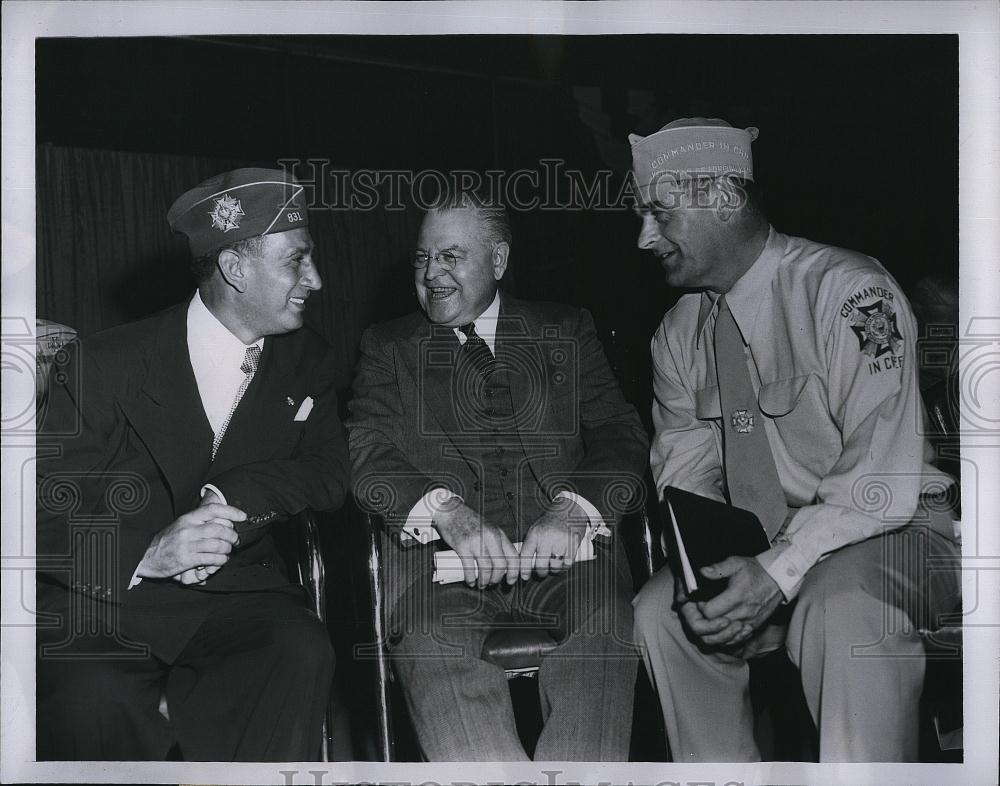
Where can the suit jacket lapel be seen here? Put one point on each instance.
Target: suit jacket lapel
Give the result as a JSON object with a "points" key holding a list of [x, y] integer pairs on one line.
{"points": [[522, 361], [519, 358], [168, 414], [430, 355]]}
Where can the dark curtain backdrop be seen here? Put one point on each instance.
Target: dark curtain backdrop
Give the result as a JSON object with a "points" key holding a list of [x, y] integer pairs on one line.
{"points": [[106, 255], [858, 148]]}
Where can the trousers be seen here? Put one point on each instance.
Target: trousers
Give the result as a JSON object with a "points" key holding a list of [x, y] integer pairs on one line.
{"points": [[460, 704], [852, 634], [252, 684]]}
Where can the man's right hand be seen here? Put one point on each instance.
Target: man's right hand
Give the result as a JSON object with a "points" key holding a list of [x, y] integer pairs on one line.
{"points": [[477, 543], [203, 537], [714, 632]]}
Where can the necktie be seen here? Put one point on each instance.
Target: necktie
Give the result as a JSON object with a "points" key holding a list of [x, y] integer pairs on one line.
{"points": [[475, 350], [751, 477], [249, 367]]}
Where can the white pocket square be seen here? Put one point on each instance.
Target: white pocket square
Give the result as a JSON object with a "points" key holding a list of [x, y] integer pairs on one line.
{"points": [[304, 409]]}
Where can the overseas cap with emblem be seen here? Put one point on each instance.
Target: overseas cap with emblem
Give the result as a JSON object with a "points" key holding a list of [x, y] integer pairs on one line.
{"points": [[688, 148], [236, 205]]}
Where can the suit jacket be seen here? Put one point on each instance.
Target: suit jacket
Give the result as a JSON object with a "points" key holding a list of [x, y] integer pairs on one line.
{"points": [[407, 433], [124, 448]]}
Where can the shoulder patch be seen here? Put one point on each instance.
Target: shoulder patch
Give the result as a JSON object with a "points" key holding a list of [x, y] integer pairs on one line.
{"points": [[871, 315], [875, 326]]}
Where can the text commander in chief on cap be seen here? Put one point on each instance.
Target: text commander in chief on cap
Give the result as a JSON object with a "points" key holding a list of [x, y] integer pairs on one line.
{"points": [[192, 432], [785, 383]]}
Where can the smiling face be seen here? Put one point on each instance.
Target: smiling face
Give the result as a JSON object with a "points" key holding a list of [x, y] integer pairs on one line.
{"points": [[458, 296], [690, 243], [705, 234], [278, 282]]}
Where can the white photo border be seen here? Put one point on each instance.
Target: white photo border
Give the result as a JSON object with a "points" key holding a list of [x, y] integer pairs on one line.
{"points": [[975, 23]]}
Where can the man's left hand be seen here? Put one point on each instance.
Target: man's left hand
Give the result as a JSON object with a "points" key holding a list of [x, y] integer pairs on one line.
{"points": [[553, 539], [747, 602], [198, 576]]}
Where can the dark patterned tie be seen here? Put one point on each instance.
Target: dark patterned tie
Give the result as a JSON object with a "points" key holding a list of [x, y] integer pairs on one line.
{"points": [[249, 367], [751, 476], [475, 350]]}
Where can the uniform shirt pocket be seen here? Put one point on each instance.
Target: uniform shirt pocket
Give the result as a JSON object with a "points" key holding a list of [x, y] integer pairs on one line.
{"points": [[798, 408], [780, 397]]}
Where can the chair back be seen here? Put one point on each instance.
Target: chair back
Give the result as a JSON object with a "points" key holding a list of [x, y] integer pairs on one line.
{"points": [[941, 401], [50, 339]]}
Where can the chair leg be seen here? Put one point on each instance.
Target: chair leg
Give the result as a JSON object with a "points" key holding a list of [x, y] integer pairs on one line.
{"points": [[386, 738], [312, 576], [324, 748]]}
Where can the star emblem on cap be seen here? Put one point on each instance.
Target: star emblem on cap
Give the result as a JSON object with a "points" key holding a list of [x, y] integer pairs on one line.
{"points": [[876, 329], [227, 213], [742, 421]]}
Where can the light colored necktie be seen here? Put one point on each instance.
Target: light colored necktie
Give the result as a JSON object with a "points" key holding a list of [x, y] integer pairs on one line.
{"points": [[751, 477], [249, 367]]}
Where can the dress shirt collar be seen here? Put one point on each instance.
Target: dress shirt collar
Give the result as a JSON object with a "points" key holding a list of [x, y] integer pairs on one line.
{"points": [[486, 325], [210, 340], [747, 294]]}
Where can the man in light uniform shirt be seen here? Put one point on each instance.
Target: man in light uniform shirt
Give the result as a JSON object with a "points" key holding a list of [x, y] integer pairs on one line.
{"points": [[856, 512]]}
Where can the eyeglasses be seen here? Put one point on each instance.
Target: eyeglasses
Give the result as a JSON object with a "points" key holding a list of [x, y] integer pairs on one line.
{"points": [[446, 259]]}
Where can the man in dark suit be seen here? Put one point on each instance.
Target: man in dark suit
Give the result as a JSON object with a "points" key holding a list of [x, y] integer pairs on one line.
{"points": [[163, 463], [487, 421]]}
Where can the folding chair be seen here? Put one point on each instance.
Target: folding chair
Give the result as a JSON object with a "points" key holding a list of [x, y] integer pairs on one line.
{"points": [[518, 651]]}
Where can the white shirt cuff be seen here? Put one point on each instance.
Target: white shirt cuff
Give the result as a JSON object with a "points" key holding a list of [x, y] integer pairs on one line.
{"points": [[420, 521], [786, 565], [218, 492], [136, 578], [595, 524], [419, 524]]}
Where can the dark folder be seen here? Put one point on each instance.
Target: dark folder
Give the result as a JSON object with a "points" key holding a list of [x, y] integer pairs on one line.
{"points": [[701, 531]]}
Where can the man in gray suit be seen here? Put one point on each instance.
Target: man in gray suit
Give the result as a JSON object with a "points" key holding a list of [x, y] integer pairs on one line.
{"points": [[496, 426]]}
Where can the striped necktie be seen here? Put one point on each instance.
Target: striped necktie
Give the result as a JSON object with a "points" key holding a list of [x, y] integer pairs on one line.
{"points": [[249, 367], [475, 350], [751, 476]]}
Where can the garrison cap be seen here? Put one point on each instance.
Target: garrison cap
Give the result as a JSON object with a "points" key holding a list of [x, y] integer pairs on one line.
{"points": [[688, 148], [236, 205]]}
